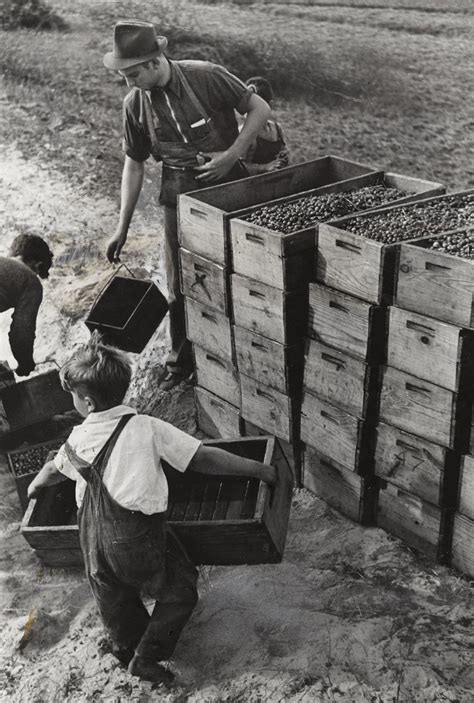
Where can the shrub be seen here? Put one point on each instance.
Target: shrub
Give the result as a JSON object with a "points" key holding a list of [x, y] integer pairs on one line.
{"points": [[30, 14]]}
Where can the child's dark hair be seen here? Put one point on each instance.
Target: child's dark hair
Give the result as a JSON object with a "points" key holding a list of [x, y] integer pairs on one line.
{"points": [[99, 371], [34, 252], [261, 87]]}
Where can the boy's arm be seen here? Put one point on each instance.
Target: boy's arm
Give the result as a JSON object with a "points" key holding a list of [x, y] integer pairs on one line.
{"points": [[48, 476], [212, 460]]}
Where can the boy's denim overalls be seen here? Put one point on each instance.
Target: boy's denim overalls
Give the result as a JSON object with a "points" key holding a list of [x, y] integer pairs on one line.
{"points": [[128, 554]]}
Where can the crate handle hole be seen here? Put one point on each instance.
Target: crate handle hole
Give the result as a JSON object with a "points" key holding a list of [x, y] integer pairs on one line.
{"points": [[256, 294], [349, 246], [338, 306], [252, 237], [198, 213]]}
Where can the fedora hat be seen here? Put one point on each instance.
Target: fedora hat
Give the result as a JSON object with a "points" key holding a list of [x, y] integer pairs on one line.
{"points": [[134, 42]]}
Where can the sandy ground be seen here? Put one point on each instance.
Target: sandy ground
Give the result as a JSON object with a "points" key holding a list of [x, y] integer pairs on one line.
{"points": [[350, 614]]}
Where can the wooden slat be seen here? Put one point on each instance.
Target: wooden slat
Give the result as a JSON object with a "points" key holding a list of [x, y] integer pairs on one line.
{"points": [[429, 349], [351, 494], [217, 375], [422, 408], [209, 328], [348, 323], [423, 526], [216, 416], [204, 281], [337, 434], [269, 362], [342, 379], [278, 315], [466, 487], [463, 545], [415, 465], [436, 283], [274, 411]]}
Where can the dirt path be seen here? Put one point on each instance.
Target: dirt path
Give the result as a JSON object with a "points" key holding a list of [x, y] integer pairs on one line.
{"points": [[349, 615]]}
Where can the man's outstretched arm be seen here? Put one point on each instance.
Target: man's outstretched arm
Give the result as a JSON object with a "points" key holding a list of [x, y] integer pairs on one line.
{"points": [[132, 181]]}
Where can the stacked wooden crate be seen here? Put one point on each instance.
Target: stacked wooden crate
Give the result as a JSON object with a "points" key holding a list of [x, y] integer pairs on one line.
{"points": [[345, 350], [429, 395], [206, 266], [425, 411]]}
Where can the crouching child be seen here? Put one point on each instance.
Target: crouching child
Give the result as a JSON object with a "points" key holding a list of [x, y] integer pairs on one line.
{"points": [[115, 456]]}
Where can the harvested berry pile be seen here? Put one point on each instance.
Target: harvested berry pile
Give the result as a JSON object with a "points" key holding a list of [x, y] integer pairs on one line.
{"points": [[417, 220], [304, 212], [461, 244], [31, 459]]}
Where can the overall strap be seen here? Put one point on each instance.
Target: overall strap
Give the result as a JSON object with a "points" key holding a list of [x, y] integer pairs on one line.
{"points": [[83, 467], [190, 92]]}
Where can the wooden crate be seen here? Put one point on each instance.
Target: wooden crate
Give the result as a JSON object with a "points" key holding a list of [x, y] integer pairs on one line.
{"points": [[289, 257], [204, 214], [431, 350], [466, 487], [347, 439], [348, 323], [209, 328], [217, 375], [353, 495], [34, 400], [220, 519], [205, 281], [463, 544], [25, 463], [215, 416], [342, 379], [361, 266], [291, 450], [422, 468], [271, 363], [426, 410], [272, 410], [425, 527], [435, 283], [269, 311]]}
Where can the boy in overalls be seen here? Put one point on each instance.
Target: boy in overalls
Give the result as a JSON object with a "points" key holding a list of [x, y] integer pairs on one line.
{"points": [[115, 456], [182, 113]]}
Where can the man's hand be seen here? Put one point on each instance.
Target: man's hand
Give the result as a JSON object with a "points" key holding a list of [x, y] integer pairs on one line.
{"points": [[217, 167], [115, 246]]}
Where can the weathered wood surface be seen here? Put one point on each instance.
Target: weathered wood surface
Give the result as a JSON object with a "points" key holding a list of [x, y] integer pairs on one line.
{"points": [[345, 438], [291, 450], [415, 465], [342, 379], [432, 350], [351, 494], [210, 329], [347, 323], [435, 283], [423, 526], [273, 313], [269, 362], [216, 416], [466, 487], [463, 544], [204, 281], [217, 375], [271, 409], [204, 215], [221, 520], [424, 409]]}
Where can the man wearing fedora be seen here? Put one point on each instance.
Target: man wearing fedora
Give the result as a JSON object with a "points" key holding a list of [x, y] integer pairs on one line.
{"points": [[181, 113]]}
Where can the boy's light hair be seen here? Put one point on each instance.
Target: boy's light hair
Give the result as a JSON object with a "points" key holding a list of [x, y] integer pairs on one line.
{"points": [[99, 371]]}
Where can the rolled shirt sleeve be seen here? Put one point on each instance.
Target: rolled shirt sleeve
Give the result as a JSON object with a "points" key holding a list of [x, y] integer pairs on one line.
{"points": [[175, 447]]}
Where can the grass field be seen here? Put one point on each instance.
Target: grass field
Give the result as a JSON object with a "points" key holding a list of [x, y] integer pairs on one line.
{"points": [[369, 80]]}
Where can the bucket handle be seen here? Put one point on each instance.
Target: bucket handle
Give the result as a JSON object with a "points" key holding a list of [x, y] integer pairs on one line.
{"points": [[111, 279]]}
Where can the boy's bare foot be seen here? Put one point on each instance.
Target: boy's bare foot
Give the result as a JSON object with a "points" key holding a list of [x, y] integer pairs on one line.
{"points": [[150, 670]]}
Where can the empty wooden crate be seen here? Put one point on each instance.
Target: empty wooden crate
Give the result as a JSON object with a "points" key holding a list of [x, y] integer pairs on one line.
{"points": [[220, 520]]}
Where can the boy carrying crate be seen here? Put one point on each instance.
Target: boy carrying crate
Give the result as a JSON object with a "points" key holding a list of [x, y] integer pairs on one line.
{"points": [[115, 456]]}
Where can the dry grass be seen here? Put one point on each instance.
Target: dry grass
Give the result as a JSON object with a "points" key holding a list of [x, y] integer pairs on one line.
{"points": [[385, 86]]}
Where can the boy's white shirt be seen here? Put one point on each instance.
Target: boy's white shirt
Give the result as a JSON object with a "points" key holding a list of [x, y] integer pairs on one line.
{"points": [[133, 476]]}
